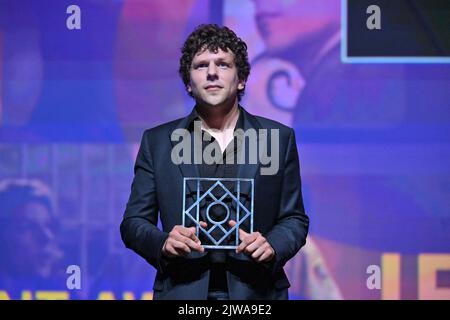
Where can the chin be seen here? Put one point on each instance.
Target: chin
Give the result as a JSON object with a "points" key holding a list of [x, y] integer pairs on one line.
{"points": [[214, 102]]}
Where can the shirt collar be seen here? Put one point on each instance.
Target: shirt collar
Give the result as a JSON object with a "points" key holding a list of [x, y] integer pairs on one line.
{"points": [[193, 116]]}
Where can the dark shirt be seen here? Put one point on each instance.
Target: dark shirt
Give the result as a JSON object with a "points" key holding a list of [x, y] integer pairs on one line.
{"points": [[218, 280]]}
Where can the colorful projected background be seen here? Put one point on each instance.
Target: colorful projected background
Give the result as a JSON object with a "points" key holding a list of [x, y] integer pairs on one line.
{"points": [[373, 142]]}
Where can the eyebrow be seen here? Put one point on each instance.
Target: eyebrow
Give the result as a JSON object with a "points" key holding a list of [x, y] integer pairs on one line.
{"points": [[220, 59]]}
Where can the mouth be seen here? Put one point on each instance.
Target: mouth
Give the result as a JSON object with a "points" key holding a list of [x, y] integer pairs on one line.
{"points": [[212, 87]]}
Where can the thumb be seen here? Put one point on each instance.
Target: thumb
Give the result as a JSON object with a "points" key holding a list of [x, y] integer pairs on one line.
{"points": [[242, 233], [232, 223], [193, 235]]}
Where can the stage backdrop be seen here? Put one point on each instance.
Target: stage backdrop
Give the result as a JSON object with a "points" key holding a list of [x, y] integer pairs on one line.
{"points": [[79, 85]]}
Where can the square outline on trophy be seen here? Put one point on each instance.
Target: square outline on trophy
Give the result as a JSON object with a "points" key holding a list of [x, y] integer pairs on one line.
{"points": [[236, 199]]}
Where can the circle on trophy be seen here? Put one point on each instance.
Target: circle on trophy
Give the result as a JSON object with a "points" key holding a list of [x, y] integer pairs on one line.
{"points": [[212, 219]]}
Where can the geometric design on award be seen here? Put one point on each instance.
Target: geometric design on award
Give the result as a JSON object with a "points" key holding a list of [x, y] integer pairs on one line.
{"points": [[218, 234]]}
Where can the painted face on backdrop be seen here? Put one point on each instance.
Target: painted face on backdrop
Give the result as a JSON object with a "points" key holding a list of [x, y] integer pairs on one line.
{"points": [[283, 22], [214, 79], [32, 236]]}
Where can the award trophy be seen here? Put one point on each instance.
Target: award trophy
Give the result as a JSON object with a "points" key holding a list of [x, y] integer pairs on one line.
{"points": [[204, 197]]}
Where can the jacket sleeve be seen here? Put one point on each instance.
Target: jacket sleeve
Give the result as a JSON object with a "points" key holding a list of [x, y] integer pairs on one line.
{"points": [[289, 233], [139, 229]]}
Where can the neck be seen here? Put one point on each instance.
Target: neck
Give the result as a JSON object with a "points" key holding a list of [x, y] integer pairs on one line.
{"points": [[219, 117]]}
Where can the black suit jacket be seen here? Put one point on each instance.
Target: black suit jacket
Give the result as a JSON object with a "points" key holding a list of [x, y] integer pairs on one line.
{"points": [[278, 215]]}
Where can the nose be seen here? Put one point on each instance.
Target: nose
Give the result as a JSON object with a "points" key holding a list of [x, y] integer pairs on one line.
{"points": [[212, 71], [46, 235]]}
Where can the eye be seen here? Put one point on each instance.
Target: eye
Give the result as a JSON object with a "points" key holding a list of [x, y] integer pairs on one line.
{"points": [[200, 65], [223, 65]]}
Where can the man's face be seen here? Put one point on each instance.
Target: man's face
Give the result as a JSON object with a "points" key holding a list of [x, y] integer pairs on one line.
{"points": [[214, 78], [283, 22], [32, 234]]}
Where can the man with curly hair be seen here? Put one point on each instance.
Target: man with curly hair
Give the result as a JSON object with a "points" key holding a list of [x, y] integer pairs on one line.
{"points": [[214, 68]]}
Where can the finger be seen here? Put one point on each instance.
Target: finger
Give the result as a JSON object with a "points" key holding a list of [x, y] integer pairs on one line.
{"points": [[188, 241], [188, 232], [193, 244], [259, 251], [241, 247], [180, 246], [242, 233], [266, 256], [203, 225], [193, 231], [172, 251], [259, 242], [246, 241]]}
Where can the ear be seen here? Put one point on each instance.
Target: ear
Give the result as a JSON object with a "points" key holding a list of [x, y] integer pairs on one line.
{"points": [[241, 85], [188, 88]]}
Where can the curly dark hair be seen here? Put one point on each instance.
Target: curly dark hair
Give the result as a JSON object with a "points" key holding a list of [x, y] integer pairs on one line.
{"points": [[213, 37]]}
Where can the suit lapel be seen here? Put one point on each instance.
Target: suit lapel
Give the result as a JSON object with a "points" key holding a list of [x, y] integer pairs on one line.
{"points": [[248, 170], [187, 170]]}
